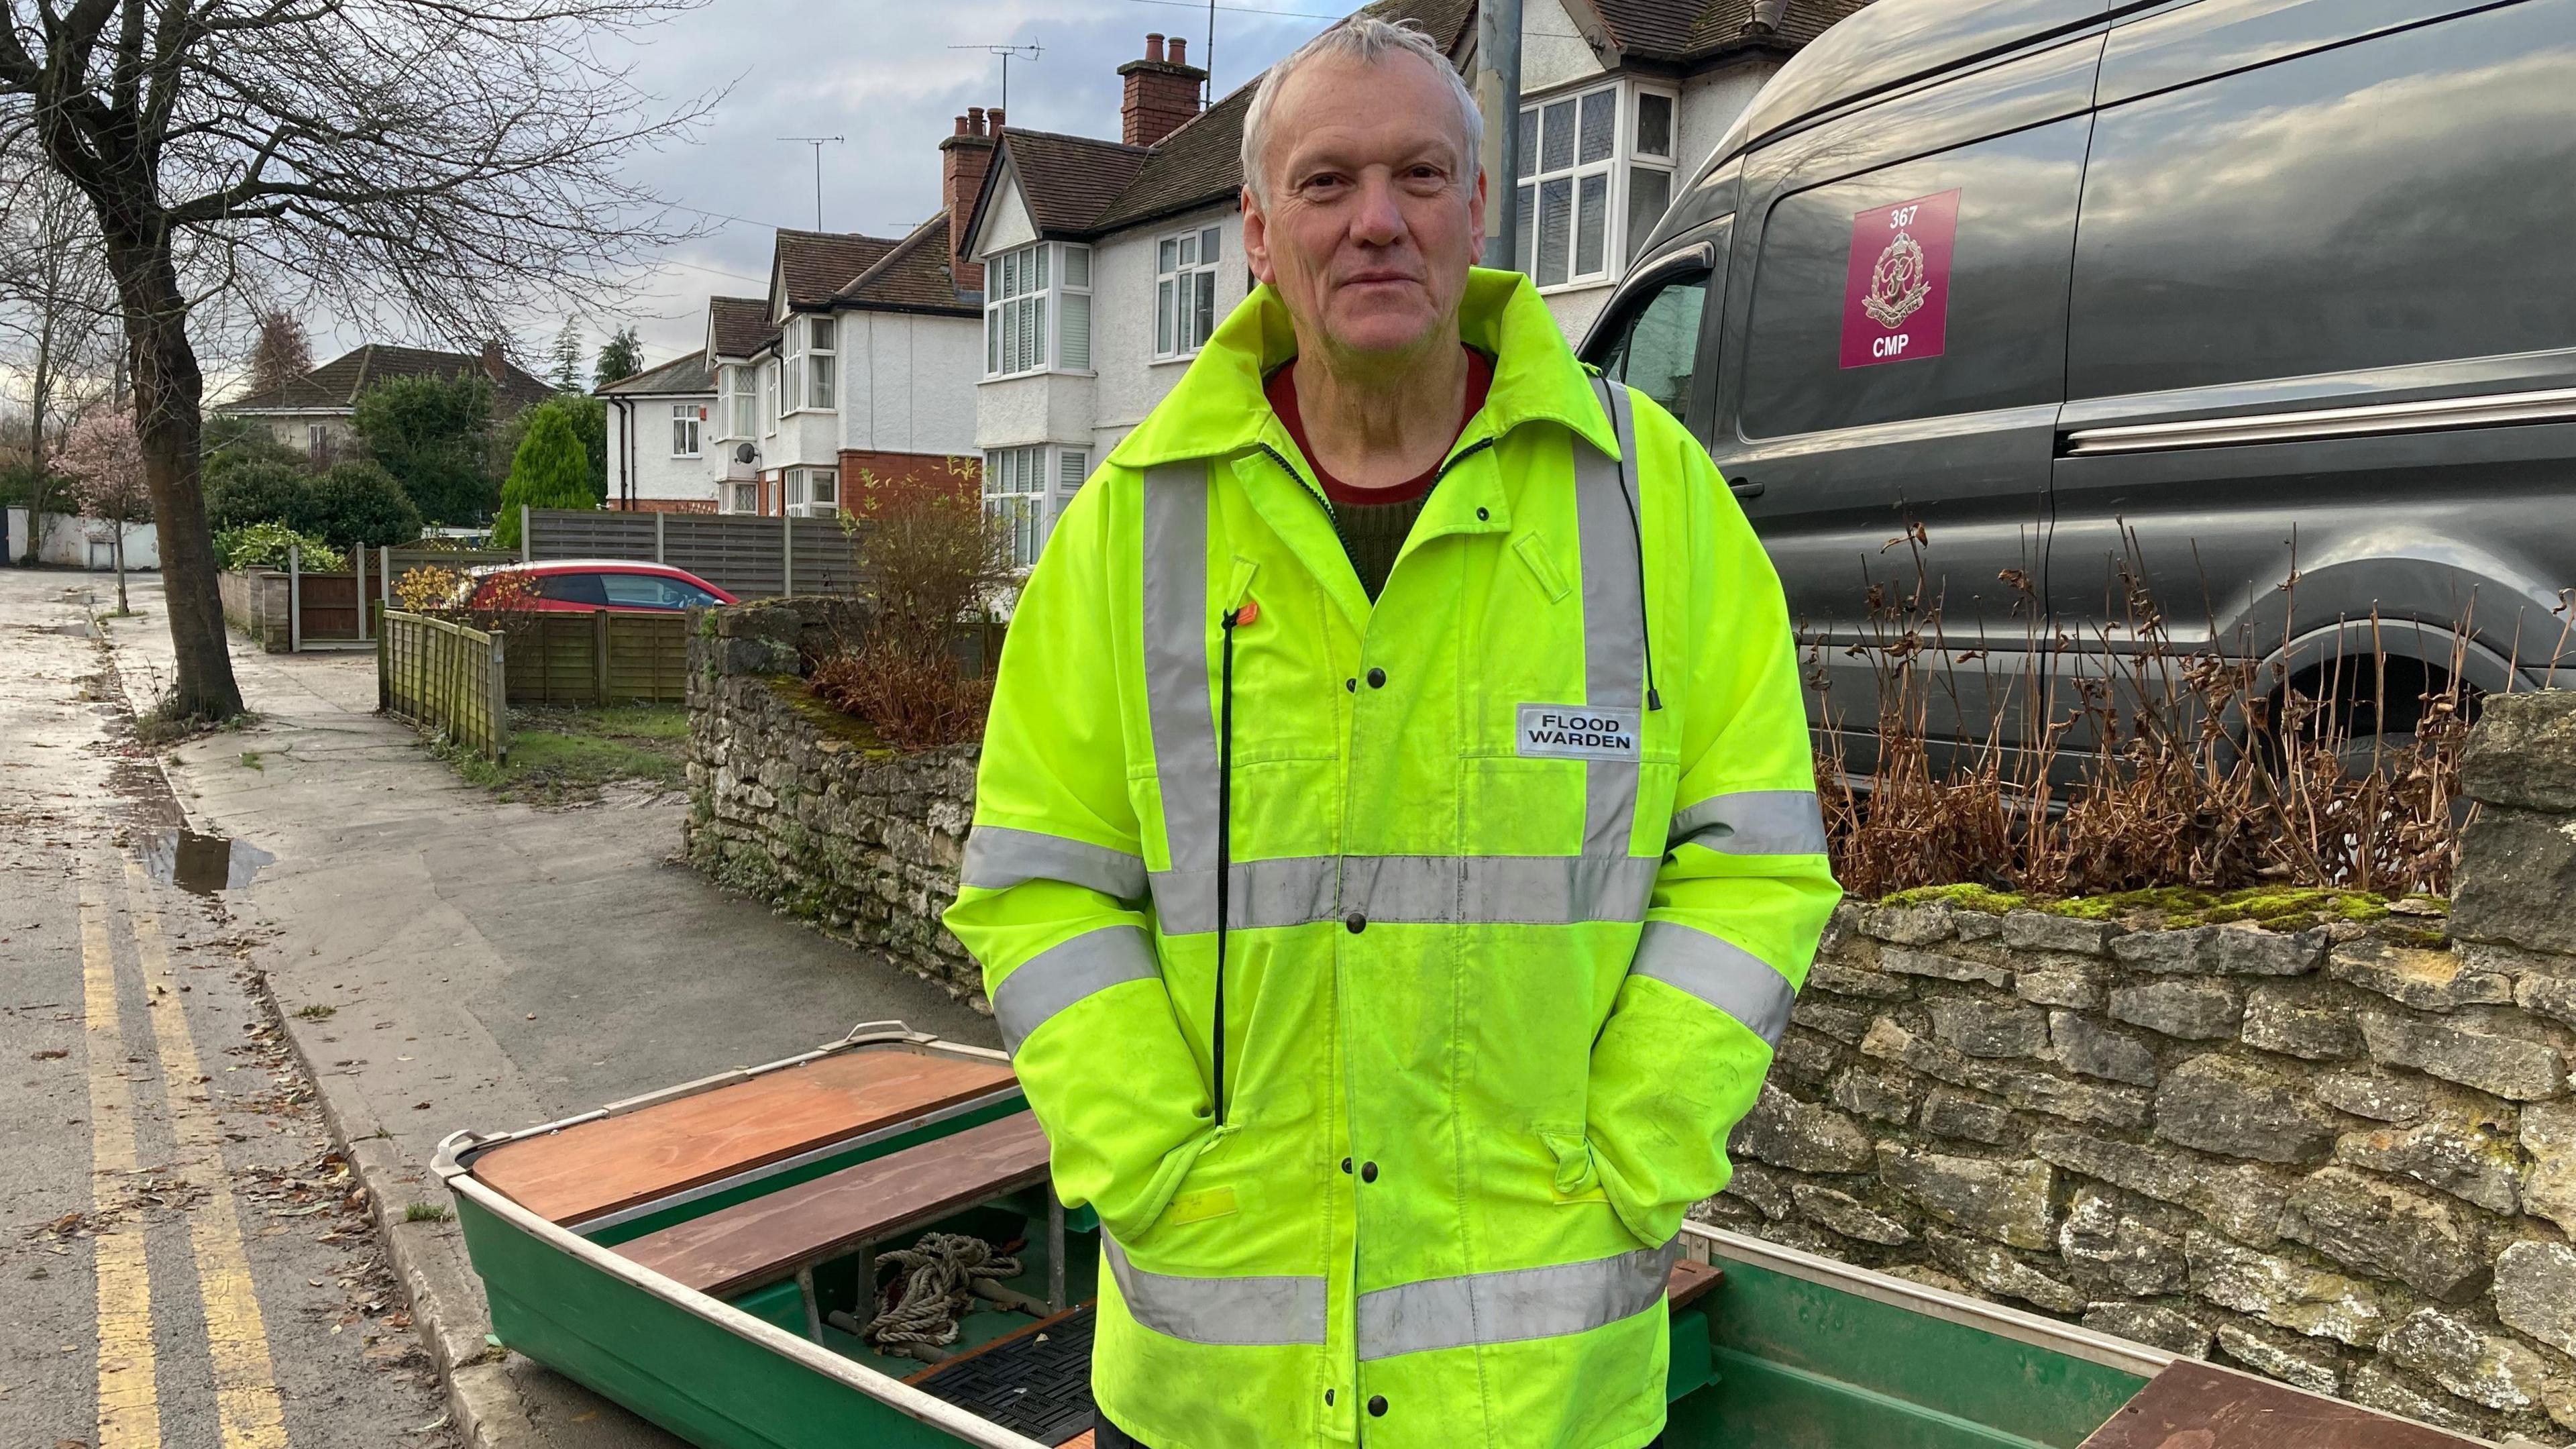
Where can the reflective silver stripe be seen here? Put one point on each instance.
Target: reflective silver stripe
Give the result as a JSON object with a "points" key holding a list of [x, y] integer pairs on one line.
{"points": [[1754, 822], [999, 858], [1481, 1308], [1065, 973], [1243, 1312], [1176, 627], [1613, 638], [1719, 972], [1411, 889]]}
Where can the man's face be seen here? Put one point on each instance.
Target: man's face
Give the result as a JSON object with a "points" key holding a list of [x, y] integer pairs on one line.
{"points": [[1374, 214]]}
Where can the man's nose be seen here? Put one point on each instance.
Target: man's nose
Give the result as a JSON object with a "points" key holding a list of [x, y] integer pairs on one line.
{"points": [[1378, 220]]}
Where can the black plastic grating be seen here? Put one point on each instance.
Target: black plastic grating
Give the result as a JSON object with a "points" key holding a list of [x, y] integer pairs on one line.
{"points": [[1038, 1384]]}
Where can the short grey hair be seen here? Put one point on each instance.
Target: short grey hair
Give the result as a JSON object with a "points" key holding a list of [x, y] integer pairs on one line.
{"points": [[1362, 40]]}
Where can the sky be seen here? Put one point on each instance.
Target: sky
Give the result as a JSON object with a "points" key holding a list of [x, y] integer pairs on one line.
{"points": [[882, 74]]}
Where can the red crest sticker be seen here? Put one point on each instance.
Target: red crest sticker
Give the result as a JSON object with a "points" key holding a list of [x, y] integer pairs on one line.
{"points": [[1896, 298]]}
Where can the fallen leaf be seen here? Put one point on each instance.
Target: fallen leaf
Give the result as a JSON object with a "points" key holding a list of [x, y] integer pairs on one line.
{"points": [[52, 1054]]}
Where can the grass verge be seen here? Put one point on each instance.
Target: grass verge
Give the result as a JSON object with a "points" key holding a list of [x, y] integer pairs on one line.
{"points": [[563, 756]]}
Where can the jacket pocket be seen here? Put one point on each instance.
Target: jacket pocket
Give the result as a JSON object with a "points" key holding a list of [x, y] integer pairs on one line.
{"points": [[1577, 1179]]}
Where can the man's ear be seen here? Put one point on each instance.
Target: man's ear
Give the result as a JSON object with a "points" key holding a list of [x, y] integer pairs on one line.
{"points": [[1256, 240], [1476, 216]]}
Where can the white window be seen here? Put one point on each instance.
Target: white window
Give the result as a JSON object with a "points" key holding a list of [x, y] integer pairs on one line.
{"points": [[812, 492], [1015, 499], [1596, 172], [743, 497], [740, 413], [317, 441], [1037, 310], [774, 400], [1072, 466], [1184, 291], [818, 363], [685, 418]]}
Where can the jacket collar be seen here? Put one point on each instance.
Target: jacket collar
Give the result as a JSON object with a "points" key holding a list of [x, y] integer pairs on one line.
{"points": [[1218, 407]]}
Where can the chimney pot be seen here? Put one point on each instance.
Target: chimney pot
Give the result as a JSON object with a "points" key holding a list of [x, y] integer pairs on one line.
{"points": [[1153, 46], [1180, 54], [996, 115], [494, 363], [974, 120], [961, 125]]}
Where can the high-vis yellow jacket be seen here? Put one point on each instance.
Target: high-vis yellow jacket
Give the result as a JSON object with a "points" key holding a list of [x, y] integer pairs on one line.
{"points": [[1520, 870]]}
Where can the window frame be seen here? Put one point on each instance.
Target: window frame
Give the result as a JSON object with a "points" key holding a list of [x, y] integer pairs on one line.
{"points": [[1009, 294], [1620, 167], [1171, 346], [738, 408], [771, 397], [818, 341], [694, 416]]}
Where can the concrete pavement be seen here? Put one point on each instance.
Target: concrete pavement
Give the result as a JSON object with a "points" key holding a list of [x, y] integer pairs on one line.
{"points": [[446, 961]]}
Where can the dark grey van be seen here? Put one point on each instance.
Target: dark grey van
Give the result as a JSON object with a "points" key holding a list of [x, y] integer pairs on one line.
{"points": [[2231, 287]]}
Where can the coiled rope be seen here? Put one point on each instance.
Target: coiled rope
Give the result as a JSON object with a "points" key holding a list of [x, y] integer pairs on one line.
{"points": [[933, 1288]]}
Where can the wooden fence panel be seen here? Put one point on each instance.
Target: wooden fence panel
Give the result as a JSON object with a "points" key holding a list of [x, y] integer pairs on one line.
{"points": [[555, 656], [748, 556], [446, 676]]}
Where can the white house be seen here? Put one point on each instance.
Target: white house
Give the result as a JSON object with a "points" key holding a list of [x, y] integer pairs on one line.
{"points": [[660, 422], [1107, 263]]}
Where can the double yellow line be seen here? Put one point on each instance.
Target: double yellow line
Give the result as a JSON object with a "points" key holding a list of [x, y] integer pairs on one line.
{"points": [[246, 1398]]}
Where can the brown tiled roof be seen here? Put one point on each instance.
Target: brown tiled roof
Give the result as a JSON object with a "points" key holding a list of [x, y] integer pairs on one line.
{"points": [[1684, 30], [337, 383], [689, 374], [816, 264], [1066, 181], [1201, 162], [914, 277], [741, 325]]}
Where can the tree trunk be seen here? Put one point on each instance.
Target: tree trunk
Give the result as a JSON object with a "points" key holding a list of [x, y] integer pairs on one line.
{"points": [[42, 384], [118, 548], [167, 389]]}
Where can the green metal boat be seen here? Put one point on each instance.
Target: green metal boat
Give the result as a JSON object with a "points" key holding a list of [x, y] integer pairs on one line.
{"points": [[698, 1256]]}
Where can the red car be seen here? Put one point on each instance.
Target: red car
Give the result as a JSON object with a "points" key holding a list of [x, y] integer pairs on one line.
{"points": [[599, 583]]}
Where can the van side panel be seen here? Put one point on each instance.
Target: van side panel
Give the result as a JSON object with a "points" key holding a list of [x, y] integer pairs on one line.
{"points": [[2370, 223]]}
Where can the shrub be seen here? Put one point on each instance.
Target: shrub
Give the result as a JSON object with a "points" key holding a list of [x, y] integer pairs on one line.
{"points": [[264, 545], [228, 442], [913, 700], [932, 558], [550, 471], [433, 434], [262, 490], [360, 505], [589, 419]]}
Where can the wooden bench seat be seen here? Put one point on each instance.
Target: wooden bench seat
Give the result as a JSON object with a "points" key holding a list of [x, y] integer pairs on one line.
{"points": [[769, 1238], [604, 1166], [2194, 1405], [1689, 1283]]}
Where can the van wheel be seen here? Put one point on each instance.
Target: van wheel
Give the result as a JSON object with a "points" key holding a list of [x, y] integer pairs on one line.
{"points": [[2369, 712]]}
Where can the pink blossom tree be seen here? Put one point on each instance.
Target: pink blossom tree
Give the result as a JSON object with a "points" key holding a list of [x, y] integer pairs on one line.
{"points": [[103, 458]]}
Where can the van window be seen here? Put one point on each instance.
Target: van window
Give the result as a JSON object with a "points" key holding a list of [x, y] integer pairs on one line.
{"points": [[1655, 346], [1931, 287], [2399, 200], [571, 589]]}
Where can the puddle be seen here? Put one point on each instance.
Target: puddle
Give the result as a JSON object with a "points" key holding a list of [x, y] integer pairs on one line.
{"points": [[202, 863]]}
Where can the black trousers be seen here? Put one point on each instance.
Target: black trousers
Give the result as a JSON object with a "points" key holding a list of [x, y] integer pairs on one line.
{"points": [[1106, 1435]]}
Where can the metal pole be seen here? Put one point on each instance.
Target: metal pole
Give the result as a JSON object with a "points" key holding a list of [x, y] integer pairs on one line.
{"points": [[358, 561], [1498, 96], [658, 516], [786, 549]]}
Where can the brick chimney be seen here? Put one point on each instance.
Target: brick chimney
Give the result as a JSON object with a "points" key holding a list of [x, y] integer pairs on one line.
{"points": [[1161, 93], [495, 366], [964, 158]]}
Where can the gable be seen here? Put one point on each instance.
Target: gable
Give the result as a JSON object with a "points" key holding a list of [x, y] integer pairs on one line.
{"points": [[1006, 222]]}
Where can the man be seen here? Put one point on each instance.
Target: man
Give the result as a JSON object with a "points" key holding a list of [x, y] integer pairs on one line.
{"points": [[1389, 904]]}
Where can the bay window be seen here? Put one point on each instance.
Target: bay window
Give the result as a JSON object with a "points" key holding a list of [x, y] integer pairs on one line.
{"points": [[811, 492], [807, 381], [1184, 291], [1595, 174], [741, 407], [773, 402], [1026, 489], [1037, 310]]}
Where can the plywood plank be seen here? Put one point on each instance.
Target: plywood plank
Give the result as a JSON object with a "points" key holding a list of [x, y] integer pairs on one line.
{"points": [[767, 1238], [617, 1162], [2194, 1405]]}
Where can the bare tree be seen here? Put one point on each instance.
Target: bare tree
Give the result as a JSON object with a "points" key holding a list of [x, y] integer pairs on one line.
{"points": [[280, 354], [450, 163], [58, 314]]}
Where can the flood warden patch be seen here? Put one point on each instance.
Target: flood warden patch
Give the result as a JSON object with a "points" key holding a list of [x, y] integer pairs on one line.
{"points": [[1572, 732]]}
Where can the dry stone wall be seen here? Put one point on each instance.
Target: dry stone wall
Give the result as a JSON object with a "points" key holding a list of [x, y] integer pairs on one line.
{"points": [[795, 804], [2343, 1155]]}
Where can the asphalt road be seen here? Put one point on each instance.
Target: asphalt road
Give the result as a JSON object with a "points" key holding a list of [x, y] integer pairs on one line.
{"points": [[187, 1261]]}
